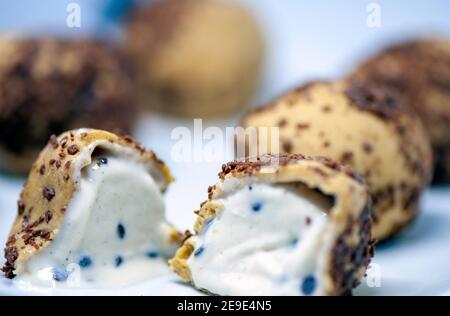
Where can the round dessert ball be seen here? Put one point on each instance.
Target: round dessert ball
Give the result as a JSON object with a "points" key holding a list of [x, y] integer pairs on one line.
{"points": [[365, 127], [420, 72], [73, 209], [279, 225], [51, 85], [194, 57]]}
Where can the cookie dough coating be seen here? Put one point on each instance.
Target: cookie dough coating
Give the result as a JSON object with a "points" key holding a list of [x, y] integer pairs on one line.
{"points": [[280, 225], [48, 86], [194, 58], [365, 127], [91, 212], [420, 72]]}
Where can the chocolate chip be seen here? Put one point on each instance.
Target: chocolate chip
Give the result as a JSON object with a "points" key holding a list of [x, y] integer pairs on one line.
{"points": [[282, 122], [41, 233], [326, 108], [256, 206], [199, 251], [121, 231], [308, 220], [42, 169], [48, 193], [11, 254], [29, 239], [85, 262], [118, 261], [287, 146], [248, 166], [212, 187], [72, 150], [367, 147], [20, 207], [152, 254], [58, 164], [308, 285], [60, 274], [11, 240], [48, 216], [320, 172], [302, 125], [375, 98], [346, 157], [187, 234], [53, 141], [67, 165], [128, 139], [25, 220], [52, 162]]}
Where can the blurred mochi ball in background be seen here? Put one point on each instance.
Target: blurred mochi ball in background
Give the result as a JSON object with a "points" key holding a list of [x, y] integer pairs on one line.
{"points": [[419, 71], [194, 58], [49, 85], [364, 126]]}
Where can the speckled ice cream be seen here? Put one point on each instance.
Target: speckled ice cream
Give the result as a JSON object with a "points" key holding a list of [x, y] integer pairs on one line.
{"points": [[132, 233], [274, 230], [277, 252], [111, 231]]}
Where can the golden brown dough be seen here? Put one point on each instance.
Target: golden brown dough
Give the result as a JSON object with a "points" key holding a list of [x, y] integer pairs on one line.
{"points": [[48, 86], [363, 126], [194, 58]]}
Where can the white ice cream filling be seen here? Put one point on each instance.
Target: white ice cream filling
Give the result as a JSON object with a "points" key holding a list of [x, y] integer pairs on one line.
{"points": [[113, 233], [265, 240]]}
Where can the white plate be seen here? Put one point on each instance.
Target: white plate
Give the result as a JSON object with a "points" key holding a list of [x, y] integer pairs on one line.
{"points": [[414, 263]]}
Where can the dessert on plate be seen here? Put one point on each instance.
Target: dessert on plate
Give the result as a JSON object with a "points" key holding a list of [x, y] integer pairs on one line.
{"points": [[280, 225], [91, 214]]}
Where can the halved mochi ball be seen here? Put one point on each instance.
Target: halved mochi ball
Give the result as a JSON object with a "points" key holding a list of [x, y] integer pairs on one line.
{"points": [[91, 214], [280, 225]]}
